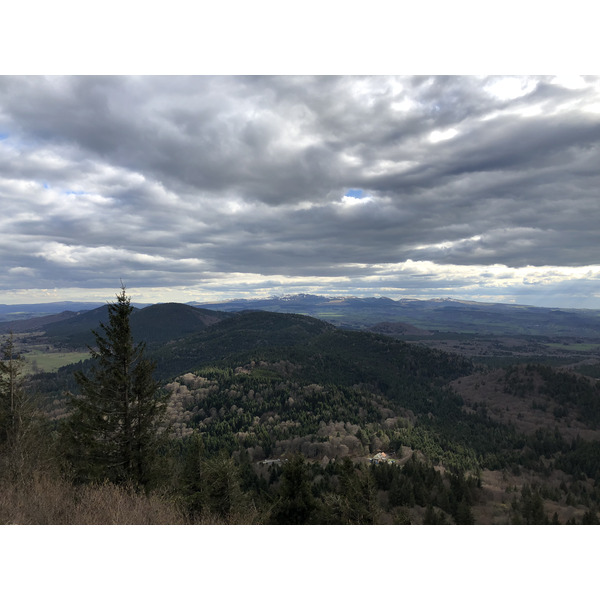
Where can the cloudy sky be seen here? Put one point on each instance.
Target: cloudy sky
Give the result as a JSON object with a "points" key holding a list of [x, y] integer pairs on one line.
{"points": [[213, 187]]}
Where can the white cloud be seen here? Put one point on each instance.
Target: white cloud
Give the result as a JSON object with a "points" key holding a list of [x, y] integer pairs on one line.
{"points": [[438, 135], [351, 201], [510, 88], [570, 81]]}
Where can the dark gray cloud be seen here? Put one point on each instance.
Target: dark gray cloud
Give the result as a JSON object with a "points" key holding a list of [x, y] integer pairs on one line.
{"points": [[217, 185]]}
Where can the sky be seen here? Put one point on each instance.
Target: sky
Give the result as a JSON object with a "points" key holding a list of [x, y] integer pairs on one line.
{"points": [[210, 187], [191, 187]]}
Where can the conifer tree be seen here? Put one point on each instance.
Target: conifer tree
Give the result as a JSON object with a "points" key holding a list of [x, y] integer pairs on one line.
{"points": [[114, 428], [296, 503]]}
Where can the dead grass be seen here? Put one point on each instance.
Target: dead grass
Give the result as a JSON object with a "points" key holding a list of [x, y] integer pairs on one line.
{"points": [[46, 500]]}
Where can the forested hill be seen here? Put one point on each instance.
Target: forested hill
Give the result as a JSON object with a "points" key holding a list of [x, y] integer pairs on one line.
{"points": [[158, 323], [302, 349], [182, 338], [319, 350]]}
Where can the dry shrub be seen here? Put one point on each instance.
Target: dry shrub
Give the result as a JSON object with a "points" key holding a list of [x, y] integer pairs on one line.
{"points": [[46, 500], [109, 504], [41, 500]]}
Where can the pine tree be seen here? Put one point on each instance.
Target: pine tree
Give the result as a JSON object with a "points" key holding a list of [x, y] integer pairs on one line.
{"points": [[296, 503], [114, 428]]}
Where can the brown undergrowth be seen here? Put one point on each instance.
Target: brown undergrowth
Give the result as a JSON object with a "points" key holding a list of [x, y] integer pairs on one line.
{"points": [[48, 500]]}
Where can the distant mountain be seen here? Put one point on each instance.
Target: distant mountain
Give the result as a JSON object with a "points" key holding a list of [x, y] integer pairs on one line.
{"points": [[160, 323], [157, 323], [296, 303], [34, 323], [17, 312], [444, 314]]}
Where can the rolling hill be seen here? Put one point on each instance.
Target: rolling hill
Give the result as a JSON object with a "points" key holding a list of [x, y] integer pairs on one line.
{"points": [[153, 324], [433, 315]]}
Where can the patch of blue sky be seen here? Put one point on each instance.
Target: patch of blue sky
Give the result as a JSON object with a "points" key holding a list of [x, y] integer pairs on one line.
{"points": [[3, 136], [74, 192], [355, 193]]}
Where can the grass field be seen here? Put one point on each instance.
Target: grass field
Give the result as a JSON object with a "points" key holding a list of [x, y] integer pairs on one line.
{"points": [[49, 362], [577, 347]]}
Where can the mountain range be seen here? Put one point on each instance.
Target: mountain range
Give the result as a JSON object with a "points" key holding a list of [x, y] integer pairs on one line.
{"points": [[444, 314], [435, 315]]}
